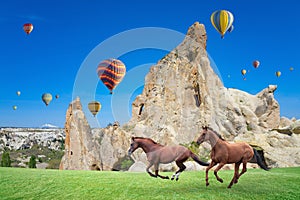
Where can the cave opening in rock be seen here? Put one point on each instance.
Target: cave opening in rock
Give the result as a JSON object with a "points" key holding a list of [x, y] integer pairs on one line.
{"points": [[141, 109]]}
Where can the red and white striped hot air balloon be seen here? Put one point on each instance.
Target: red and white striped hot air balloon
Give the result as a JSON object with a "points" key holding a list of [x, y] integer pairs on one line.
{"points": [[28, 27]]}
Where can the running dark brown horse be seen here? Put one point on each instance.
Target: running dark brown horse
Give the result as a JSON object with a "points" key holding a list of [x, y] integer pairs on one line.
{"points": [[226, 153], [157, 153]]}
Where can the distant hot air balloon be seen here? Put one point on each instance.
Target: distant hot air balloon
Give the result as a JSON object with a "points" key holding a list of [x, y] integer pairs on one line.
{"points": [[18, 93], [111, 72], [230, 28], [291, 69], [47, 98], [94, 107], [57, 96], [222, 20], [243, 71], [28, 27], [15, 107], [255, 63], [278, 73]]}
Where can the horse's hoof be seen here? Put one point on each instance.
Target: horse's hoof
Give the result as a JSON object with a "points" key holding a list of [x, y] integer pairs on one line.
{"points": [[207, 184], [167, 177], [177, 179], [172, 178], [229, 187]]}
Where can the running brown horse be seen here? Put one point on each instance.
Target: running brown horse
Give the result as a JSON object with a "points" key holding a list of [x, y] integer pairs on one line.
{"points": [[226, 153], [157, 153]]}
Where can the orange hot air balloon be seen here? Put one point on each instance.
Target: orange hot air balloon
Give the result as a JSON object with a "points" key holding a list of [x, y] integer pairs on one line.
{"points": [[111, 72], [255, 63], [28, 27]]}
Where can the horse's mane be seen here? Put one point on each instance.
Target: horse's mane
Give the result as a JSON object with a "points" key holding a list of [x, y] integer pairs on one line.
{"points": [[149, 139], [215, 132]]}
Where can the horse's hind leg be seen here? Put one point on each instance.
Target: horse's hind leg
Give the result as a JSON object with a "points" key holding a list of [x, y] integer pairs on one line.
{"points": [[244, 169], [181, 169], [236, 174]]}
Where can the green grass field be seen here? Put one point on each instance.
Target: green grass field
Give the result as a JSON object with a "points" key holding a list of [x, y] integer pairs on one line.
{"points": [[17, 183]]}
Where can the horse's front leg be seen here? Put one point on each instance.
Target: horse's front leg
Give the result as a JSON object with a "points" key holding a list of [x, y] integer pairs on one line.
{"points": [[148, 170], [156, 172], [216, 172], [212, 163]]}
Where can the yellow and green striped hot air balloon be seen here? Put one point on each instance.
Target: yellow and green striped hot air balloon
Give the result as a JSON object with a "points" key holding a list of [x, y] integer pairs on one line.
{"points": [[222, 20], [47, 98], [94, 107], [111, 72]]}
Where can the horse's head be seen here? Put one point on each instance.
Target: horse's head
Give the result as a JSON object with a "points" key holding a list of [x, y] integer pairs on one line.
{"points": [[133, 146], [203, 135]]}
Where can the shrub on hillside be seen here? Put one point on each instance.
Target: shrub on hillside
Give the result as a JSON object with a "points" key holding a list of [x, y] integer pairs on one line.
{"points": [[5, 162], [32, 162]]}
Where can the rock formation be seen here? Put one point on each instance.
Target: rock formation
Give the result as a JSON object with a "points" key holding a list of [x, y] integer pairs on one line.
{"points": [[81, 152], [181, 94]]}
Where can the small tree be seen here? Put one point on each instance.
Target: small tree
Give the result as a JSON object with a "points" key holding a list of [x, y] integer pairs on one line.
{"points": [[32, 162], [5, 162]]}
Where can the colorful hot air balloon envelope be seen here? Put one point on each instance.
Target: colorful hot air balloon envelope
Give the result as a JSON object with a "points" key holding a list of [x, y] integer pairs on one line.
{"points": [[111, 72], [15, 107], [230, 28], [243, 72], [28, 27], [94, 107], [255, 63], [291, 69], [47, 98], [278, 73], [18, 93], [222, 20]]}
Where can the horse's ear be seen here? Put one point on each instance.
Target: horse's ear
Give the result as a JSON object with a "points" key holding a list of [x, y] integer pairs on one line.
{"points": [[132, 138], [204, 127]]}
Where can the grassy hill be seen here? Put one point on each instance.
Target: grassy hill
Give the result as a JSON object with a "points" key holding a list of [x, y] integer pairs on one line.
{"points": [[18, 183]]}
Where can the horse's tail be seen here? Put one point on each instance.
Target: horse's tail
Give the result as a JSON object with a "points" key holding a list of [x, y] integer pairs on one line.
{"points": [[195, 158], [259, 160]]}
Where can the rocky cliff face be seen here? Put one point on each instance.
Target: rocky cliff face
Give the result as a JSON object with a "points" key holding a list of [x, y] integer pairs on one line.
{"points": [[26, 138], [182, 93], [81, 150]]}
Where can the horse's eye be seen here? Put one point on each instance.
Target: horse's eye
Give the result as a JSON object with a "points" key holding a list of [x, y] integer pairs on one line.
{"points": [[131, 144]]}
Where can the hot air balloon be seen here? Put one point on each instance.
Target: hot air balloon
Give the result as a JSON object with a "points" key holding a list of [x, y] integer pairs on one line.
{"points": [[111, 72], [57, 96], [18, 93], [47, 98], [15, 107], [255, 63], [291, 69], [243, 71], [278, 73], [222, 20], [28, 27], [94, 107], [230, 28]]}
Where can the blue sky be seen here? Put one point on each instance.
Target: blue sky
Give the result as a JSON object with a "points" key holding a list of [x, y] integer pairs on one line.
{"points": [[66, 32]]}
